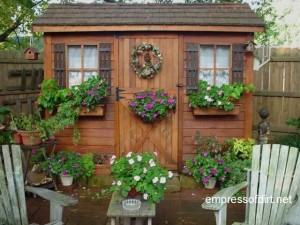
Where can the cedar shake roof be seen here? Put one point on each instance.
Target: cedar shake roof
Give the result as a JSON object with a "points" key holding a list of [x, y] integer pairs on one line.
{"points": [[120, 14]]}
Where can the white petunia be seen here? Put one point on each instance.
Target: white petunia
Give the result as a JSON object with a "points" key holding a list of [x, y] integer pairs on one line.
{"points": [[154, 180], [112, 159], [139, 158], [152, 164], [114, 183], [131, 161], [137, 178], [119, 183], [145, 170], [170, 174], [145, 196], [129, 154], [162, 180], [155, 153]]}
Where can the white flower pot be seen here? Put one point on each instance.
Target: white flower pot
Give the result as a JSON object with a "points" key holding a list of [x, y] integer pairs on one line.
{"points": [[211, 183], [66, 180]]}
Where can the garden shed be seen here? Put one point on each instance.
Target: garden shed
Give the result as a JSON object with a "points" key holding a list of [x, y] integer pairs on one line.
{"points": [[196, 41]]}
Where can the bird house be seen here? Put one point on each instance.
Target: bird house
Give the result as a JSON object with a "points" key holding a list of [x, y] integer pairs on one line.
{"points": [[31, 54], [250, 46]]}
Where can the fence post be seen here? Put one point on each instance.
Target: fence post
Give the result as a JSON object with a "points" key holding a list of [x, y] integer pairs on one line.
{"points": [[263, 126]]}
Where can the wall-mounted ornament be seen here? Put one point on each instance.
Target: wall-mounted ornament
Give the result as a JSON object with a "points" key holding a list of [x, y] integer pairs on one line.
{"points": [[250, 46], [152, 60]]}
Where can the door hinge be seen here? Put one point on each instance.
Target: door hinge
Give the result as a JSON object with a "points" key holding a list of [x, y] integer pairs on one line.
{"points": [[118, 90]]}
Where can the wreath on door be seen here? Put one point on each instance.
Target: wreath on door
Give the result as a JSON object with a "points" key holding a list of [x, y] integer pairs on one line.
{"points": [[147, 70]]}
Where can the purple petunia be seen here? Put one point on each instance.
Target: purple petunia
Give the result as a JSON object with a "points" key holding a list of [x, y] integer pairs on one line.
{"points": [[201, 170], [214, 171], [204, 154], [226, 169]]}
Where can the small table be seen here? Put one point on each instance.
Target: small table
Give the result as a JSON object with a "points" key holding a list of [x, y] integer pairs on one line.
{"points": [[115, 211]]}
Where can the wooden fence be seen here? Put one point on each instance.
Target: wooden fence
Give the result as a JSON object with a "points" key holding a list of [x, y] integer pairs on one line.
{"points": [[277, 85], [20, 79]]}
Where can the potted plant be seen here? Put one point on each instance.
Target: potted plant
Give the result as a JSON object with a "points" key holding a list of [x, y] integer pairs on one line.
{"points": [[68, 165], [141, 173], [152, 105], [5, 132], [101, 162], [214, 100], [207, 168]]}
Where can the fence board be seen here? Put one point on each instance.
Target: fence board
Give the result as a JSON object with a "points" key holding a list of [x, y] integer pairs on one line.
{"points": [[277, 88]]}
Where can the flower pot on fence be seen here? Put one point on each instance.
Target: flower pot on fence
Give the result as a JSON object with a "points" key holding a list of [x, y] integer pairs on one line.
{"points": [[17, 138], [66, 180], [211, 183], [215, 111], [98, 110], [30, 138]]}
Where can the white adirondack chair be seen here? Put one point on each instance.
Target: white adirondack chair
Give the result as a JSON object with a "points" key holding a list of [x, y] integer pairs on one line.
{"points": [[12, 191], [275, 173]]}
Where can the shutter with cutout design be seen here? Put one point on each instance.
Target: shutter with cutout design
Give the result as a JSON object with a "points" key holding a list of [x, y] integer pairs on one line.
{"points": [[59, 65], [192, 63], [105, 62], [238, 54]]}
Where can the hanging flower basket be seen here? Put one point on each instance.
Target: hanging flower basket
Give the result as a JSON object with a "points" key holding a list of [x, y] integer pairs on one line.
{"points": [[149, 69], [152, 105], [202, 111]]}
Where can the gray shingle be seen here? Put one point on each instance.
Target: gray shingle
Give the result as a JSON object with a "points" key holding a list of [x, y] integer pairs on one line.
{"points": [[202, 14]]}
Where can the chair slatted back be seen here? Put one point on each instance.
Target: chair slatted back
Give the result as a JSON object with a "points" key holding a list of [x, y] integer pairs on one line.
{"points": [[12, 194], [274, 180]]}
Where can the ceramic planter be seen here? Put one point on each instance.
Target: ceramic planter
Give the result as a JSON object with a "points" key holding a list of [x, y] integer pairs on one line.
{"points": [[98, 110], [66, 180], [30, 138], [211, 183], [214, 111]]}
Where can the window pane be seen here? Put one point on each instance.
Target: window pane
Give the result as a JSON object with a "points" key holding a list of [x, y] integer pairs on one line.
{"points": [[206, 56], [90, 57], [207, 75], [74, 57], [222, 56], [222, 77], [88, 74], [74, 78]]}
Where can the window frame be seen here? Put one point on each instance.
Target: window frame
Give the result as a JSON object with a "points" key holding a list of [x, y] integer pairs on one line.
{"points": [[214, 69]]}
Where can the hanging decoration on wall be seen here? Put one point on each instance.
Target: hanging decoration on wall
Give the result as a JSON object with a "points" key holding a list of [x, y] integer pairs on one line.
{"points": [[148, 69]]}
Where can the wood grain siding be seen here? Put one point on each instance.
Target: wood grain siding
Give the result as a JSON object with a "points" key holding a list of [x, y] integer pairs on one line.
{"points": [[97, 133], [223, 127]]}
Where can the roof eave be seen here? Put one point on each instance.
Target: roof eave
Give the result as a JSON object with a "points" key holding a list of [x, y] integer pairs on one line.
{"points": [[111, 28]]}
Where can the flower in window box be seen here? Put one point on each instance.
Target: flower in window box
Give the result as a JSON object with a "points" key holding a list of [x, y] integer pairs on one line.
{"points": [[152, 105], [220, 97]]}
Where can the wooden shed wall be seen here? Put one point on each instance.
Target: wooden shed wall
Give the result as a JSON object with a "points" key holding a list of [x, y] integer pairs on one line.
{"points": [[223, 127], [98, 133]]}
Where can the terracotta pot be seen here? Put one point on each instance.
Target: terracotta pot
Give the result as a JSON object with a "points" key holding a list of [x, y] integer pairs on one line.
{"points": [[103, 169], [133, 193], [30, 138], [17, 137]]}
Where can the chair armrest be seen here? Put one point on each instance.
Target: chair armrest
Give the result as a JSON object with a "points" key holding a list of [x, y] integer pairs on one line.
{"points": [[52, 196], [221, 198]]}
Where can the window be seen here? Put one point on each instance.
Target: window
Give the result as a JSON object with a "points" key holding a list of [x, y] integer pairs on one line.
{"points": [[214, 64], [82, 63]]}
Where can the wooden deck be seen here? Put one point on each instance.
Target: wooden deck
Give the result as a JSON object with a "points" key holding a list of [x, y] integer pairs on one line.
{"points": [[180, 208]]}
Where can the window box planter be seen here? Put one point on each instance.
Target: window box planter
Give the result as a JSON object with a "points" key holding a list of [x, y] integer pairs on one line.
{"points": [[215, 112], [98, 110]]}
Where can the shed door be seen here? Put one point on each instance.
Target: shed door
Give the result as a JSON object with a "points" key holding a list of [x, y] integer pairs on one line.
{"points": [[134, 135]]}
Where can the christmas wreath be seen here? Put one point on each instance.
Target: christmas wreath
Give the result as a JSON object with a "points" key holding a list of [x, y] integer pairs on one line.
{"points": [[147, 70]]}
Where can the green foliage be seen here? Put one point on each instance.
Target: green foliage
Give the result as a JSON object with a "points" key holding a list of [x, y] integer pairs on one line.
{"points": [[240, 148], [206, 144], [290, 140], [142, 172], [88, 165], [294, 122], [152, 105], [66, 163], [220, 97]]}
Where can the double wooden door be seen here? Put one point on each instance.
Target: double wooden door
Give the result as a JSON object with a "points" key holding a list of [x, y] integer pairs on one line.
{"points": [[135, 135]]}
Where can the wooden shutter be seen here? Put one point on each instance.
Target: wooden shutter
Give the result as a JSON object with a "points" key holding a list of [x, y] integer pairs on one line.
{"points": [[60, 65], [105, 62], [238, 54], [192, 62]]}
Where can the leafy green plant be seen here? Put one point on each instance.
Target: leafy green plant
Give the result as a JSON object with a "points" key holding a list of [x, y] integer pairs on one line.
{"points": [[205, 166], [221, 97], [290, 140], [206, 144], [5, 133], [141, 171], [152, 105], [294, 122], [100, 159], [241, 148], [88, 165], [66, 163]]}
